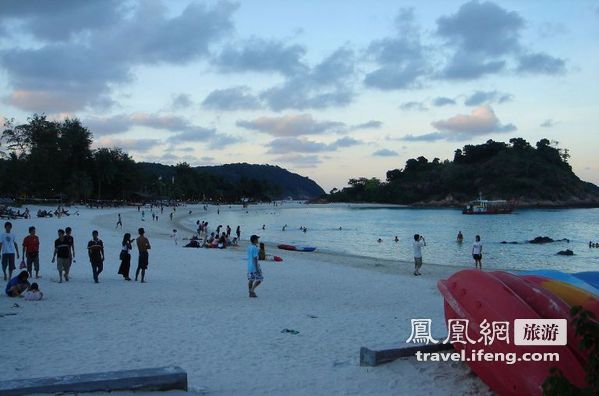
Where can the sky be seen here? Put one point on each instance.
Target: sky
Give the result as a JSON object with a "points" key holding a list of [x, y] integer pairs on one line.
{"points": [[331, 90]]}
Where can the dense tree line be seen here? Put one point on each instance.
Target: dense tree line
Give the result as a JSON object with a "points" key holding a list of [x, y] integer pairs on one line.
{"points": [[55, 160], [514, 170]]}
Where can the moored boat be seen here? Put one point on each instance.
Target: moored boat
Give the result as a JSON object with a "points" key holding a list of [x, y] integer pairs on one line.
{"points": [[485, 206]]}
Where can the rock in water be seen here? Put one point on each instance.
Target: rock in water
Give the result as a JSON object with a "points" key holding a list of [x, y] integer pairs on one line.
{"points": [[566, 252], [540, 239]]}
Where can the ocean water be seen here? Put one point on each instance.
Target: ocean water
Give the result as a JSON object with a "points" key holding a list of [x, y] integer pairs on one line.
{"points": [[361, 227]]}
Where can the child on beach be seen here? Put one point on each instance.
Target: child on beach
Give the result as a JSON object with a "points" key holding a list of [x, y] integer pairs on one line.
{"points": [[477, 253], [174, 236], [33, 293], [418, 243], [254, 271]]}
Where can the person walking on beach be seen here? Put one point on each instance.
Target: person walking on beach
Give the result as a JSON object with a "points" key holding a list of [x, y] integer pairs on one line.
{"points": [[477, 253], [254, 271], [95, 250], [62, 256], [31, 252], [8, 249], [238, 232], [71, 242], [119, 222], [143, 245], [125, 257], [418, 243]]}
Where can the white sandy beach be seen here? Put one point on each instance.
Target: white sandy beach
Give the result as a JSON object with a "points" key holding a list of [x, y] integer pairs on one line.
{"points": [[194, 312]]}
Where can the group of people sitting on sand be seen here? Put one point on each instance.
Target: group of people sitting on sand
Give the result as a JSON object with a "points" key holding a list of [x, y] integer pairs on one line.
{"points": [[217, 239], [212, 241], [9, 213]]}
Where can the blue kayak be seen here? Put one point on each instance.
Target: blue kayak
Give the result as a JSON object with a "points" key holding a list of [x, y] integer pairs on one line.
{"points": [[563, 277], [590, 277]]}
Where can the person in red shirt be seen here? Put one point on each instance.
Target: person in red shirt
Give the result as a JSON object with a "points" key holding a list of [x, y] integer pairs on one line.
{"points": [[31, 252]]}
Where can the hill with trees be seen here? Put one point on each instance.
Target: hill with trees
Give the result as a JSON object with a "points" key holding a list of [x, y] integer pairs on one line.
{"points": [[54, 160], [533, 176]]}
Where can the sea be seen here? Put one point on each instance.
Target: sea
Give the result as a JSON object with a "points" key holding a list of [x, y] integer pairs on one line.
{"points": [[356, 229]]}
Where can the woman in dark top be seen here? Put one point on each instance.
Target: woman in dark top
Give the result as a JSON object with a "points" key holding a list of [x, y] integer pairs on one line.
{"points": [[125, 257]]}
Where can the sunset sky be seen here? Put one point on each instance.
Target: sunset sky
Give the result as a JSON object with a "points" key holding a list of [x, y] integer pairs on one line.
{"points": [[328, 89]]}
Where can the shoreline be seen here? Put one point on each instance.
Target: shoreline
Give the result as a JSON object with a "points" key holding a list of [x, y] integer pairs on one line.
{"points": [[388, 266]]}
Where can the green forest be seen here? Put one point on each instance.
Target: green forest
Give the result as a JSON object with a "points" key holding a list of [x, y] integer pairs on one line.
{"points": [[514, 171], [47, 159]]}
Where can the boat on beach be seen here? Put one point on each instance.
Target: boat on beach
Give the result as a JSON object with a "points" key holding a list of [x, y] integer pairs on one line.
{"points": [[484, 206]]}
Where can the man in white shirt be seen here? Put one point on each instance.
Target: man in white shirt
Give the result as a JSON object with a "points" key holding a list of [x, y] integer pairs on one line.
{"points": [[8, 249], [418, 243], [477, 253]]}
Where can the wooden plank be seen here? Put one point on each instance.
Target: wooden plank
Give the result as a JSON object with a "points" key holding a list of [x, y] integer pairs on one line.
{"points": [[374, 357], [150, 379]]}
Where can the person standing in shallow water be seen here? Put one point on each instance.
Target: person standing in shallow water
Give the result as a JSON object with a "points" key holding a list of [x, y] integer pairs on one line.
{"points": [[477, 253], [95, 250], [125, 257], [254, 271], [143, 245]]}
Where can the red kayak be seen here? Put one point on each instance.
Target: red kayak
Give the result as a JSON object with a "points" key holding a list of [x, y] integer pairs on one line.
{"points": [[476, 296], [286, 247]]}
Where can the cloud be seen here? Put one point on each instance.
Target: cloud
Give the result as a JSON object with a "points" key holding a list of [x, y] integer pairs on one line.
{"points": [[427, 137], [372, 124], [123, 122], [344, 142], [181, 101], [419, 106], [485, 39], [300, 160], [385, 153], [182, 130], [443, 101], [138, 145], [286, 145], [548, 123], [400, 59], [230, 99], [59, 21], [480, 97], [541, 63], [483, 28], [290, 125], [294, 145], [59, 76], [259, 55], [482, 120], [327, 84]]}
